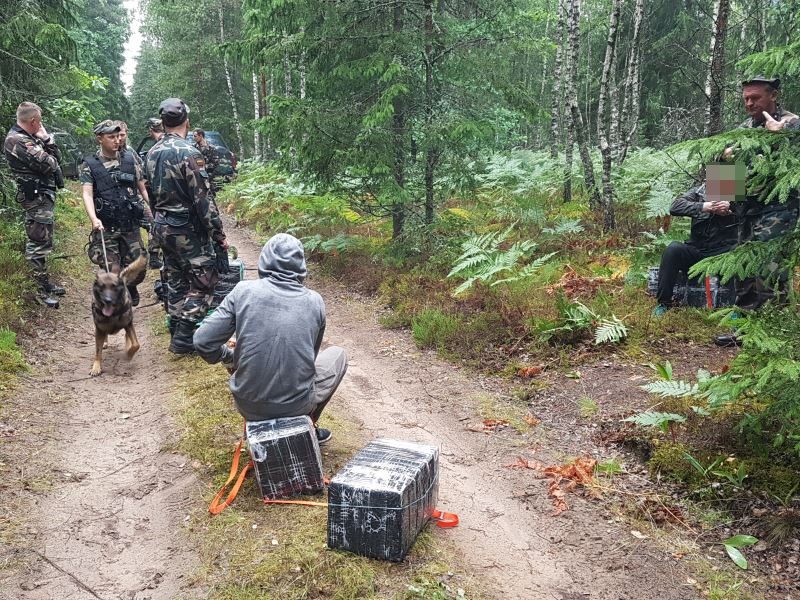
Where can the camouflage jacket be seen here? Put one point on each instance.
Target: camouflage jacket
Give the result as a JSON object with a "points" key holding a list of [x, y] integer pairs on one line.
{"points": [[211, 156], [793, 123], [31, 158], [760, 221], [176, 172]]}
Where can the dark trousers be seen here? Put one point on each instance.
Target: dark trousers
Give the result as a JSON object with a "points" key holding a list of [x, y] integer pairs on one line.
{"points": [[678, 258]]}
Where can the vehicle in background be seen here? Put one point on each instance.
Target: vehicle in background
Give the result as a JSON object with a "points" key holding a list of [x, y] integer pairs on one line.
{"points": [[71, 155], [227, 159]]}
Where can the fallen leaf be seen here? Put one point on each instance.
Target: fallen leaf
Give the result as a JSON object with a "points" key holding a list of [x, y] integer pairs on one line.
{"points": [[524, 463], [529, 372], [488, 425], [531, 420], [638, 535]]}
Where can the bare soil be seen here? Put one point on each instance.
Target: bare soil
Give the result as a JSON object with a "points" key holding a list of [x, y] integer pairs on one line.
{"points": [[103, 516]]}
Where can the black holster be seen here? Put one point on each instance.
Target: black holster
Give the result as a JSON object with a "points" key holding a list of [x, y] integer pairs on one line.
{"points": [[223, 263]]}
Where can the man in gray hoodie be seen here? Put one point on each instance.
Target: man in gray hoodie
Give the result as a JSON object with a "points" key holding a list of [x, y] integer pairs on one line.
{"points": [[277, 368]]}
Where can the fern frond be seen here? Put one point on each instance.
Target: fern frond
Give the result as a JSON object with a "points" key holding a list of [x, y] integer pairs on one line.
{"points": [[610, 331], [672, 388]]}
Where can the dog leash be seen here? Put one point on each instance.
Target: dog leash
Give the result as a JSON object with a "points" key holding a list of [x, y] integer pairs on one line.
{"points": [[105, 257]]}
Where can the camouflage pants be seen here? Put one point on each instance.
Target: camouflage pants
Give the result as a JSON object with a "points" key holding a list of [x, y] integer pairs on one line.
{"points": [[190, 270], [39, 229], [122, 248]]}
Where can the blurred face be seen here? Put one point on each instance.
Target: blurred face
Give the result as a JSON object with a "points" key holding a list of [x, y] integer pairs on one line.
{"points": [[123, 139], [109, 143], [33, 124], [759, 97], [198, 138], [725, 182]]}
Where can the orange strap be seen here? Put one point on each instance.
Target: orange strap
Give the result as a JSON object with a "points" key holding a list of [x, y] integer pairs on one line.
{"points": [[216, 506], [443, 519], [709, 301]]}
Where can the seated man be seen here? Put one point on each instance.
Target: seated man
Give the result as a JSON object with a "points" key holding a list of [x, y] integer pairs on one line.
{"points": [[714, 227], [277, 368]]}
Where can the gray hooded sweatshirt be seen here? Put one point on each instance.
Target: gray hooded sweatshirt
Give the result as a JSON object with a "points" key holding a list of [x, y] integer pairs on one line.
{"points": [[279, 324]]}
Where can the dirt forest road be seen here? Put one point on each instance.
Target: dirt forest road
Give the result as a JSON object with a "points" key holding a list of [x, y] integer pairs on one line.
{"points": [[110, 525], [507, 537]]}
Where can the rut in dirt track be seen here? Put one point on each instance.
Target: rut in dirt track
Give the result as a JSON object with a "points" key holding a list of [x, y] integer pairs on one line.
{"points": [[507, 538], [110, 527]]}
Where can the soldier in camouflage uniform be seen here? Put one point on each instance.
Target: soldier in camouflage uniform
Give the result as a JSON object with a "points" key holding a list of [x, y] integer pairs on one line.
{"points": [[110, 180], [211, 157], [187, 224], [34, 159], [759, 221]]}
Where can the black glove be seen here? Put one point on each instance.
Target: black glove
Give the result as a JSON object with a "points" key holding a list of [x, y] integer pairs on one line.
{"points": [[223, 264], [58, 176]]}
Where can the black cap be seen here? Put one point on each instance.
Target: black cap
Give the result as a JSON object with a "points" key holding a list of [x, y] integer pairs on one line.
{"points": [[173, 112], [773, 83], [107, 126], [155, 124]]}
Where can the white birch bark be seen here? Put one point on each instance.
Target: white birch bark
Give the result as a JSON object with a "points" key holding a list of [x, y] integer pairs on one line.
{"points": [[556, 100], [256, 117], [236, 121], [633, 84]]}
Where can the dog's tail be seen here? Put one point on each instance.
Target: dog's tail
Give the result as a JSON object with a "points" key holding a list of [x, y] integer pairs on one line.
{"points": [[134, 269]]}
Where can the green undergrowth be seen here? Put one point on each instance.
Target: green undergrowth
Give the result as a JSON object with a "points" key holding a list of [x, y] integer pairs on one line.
{"points": [[253, 551], [18, 307]]}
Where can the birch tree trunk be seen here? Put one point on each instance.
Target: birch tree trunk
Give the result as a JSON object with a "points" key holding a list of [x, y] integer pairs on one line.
{"points": [[603, 117], [237, 123], [256, 116], [633, 85], [574, 107], [302, 68], [555, 101], [716, 69]]}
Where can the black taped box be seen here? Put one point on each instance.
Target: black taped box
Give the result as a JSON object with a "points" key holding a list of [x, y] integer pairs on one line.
{"points": [[286, 457], [227, 281], [382, 498]]}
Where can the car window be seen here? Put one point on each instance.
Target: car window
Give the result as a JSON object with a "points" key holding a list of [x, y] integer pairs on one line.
{"points": [[145, 145], [215, 138]]}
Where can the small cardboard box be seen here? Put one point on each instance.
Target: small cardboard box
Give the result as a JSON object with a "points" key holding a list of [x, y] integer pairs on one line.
{"points": [[382, 498], [286, 457]]}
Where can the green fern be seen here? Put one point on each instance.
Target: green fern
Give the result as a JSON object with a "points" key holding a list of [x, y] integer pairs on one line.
{"points": [[483, 260], [672, 388], [610, 331], [660, 420]]}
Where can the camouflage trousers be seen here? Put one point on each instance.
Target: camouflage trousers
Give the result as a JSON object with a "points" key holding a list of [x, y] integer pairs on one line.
{"points": [[122, 248], [190, 271], [39, 229]]}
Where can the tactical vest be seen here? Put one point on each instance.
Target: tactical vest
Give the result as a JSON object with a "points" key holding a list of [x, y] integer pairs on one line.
{"points": [[115, 201]]}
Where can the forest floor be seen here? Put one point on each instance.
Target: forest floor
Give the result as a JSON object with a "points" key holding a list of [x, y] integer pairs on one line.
{"points": [[106, 499]]}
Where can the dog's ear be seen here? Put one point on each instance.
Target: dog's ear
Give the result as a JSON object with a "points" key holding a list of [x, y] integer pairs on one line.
{"points": [[133, 269]]}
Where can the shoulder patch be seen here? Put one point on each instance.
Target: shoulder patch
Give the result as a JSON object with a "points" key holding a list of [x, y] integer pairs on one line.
{"points": [[200, 162]]}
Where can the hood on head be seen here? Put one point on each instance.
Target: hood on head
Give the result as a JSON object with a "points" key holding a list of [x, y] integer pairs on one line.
{"points": [[282, 259]]}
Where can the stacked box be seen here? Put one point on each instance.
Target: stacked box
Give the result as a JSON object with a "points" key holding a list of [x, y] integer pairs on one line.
{"points": [[227, 281], [380, 501], [693, 292], [286, 456]]}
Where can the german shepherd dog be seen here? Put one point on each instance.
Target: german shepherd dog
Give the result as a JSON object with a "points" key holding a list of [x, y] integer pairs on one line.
{"points": [[112, 311]]}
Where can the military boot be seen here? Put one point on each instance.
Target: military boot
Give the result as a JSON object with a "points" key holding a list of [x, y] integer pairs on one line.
{"points": [[182, 340], [54, 289], [134, 292], [45, 296], [154, 262]]}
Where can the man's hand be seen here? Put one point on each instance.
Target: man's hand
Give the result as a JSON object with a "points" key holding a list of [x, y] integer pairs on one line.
{"points": [[721, 208], [223, 244], [97, 225], [42, 132], [772, 125]]}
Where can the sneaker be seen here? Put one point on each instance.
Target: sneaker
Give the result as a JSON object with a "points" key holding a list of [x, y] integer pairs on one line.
{"points": [[727, 340], [323, 435], [660, 310], [55, 290]]}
